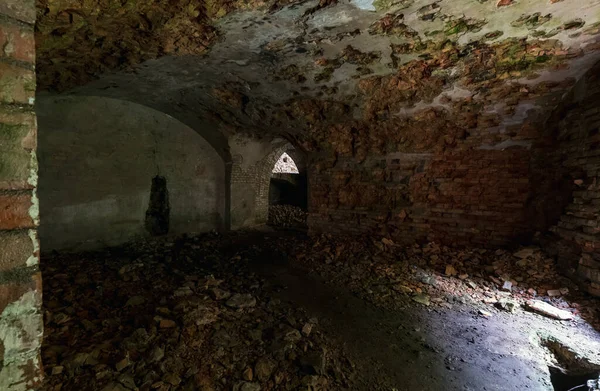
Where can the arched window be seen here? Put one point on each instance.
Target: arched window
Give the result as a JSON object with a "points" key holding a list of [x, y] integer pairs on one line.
{"points": [[285, 165]]}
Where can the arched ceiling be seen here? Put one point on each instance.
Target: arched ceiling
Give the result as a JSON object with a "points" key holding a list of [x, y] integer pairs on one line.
{"points": [[417, 74]]}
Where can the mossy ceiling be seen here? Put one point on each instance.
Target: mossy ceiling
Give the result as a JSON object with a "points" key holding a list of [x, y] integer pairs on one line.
{"points": [[329, 71]]}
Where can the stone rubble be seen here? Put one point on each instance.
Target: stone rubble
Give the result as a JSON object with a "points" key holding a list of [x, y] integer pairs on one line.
{"points": [[393, 276], [191, 314], [287, 216], [182, 315]]}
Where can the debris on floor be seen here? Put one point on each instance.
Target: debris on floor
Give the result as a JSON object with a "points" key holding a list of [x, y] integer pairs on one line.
{"points": [[391, 276], [183, 315], [192, 313], [287, 216]]}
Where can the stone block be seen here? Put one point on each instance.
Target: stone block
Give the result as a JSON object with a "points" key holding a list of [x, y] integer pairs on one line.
{"points": [[23, 10], [17, 249], [17, 85], [14, 211], [17, 42]]}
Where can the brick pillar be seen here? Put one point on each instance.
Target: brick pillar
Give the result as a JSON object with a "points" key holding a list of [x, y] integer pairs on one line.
{"points": [[21, 322]]}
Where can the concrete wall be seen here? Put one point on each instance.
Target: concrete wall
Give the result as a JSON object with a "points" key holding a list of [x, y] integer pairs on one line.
{"points": [[21, 325], [98, 157]]}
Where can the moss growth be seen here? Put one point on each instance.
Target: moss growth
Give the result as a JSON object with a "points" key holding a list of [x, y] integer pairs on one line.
{"points": [[573, 24], [532, 21], [325, 74], [463, 25]]}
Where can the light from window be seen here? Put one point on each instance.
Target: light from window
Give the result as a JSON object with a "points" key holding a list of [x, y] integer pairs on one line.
{"points": [[285, 165]]}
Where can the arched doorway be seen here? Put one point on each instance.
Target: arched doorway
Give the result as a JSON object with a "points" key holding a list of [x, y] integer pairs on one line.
{"points": [[288, 191]]}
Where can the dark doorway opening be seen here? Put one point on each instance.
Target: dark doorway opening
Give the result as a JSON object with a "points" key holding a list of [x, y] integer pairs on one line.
{"points": [[157, 215]]}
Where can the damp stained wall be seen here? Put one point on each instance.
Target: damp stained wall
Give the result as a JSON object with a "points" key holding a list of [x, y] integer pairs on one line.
{"points": [[99, 156]]}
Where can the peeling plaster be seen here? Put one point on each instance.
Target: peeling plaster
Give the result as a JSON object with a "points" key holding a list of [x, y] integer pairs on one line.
{"points": [[364, 4], [21, 330], [33, 259]]}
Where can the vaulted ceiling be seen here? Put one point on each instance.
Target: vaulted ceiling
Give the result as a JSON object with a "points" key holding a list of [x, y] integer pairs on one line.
{"points": [[402, 74]]}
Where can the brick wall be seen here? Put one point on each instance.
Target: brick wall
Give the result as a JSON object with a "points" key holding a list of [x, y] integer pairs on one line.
{"points": [[577, 234], [251, 169], [20, 279], [454, 179], [462, 196]]}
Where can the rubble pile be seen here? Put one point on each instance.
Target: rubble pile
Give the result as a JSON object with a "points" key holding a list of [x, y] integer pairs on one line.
{"points": [[196, 313], [287, 216], [394, 276], [178, 315]]}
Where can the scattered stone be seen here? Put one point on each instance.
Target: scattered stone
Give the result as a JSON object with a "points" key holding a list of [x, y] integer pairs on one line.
{"points": [[549, 310], [135, 300], [263, 368], [246, 386], [507, 305], [248, 374], [306, 329], [57, 370], [172, 379], [524, 253], [287, 216], [485, 313], [127, 380], [241, 301], [554, 292], [124, 363], [507, 286], [450, 271], [157, 354], [292, 336], [114, 386], [220, 294], [167, 324], [421, 298]]}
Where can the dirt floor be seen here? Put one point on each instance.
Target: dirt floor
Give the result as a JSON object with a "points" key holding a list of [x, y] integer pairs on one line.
{"points": [[281, 311]]}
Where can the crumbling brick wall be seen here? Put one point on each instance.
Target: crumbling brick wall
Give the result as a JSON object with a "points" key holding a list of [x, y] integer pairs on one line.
{"points": [[577, 240], [462, 196], [20, 279]]}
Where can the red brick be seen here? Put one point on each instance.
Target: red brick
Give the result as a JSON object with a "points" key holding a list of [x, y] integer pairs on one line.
{"points": [[17, 85], [14, 211], [16, 247], [17, 42], [18, 137], [12, 291]]}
